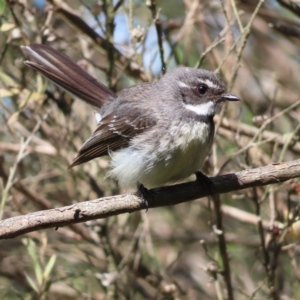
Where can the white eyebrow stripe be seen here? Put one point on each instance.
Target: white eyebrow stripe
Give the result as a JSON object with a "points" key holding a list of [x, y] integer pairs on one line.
{"points": [[182, 84], [208, 82], [205, 109]]}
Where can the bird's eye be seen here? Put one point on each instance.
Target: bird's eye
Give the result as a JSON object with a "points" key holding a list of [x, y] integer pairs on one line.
{"points": [[202, 89]]}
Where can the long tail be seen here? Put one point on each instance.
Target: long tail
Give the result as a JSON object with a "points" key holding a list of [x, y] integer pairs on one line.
{"points": [[60, 69]]}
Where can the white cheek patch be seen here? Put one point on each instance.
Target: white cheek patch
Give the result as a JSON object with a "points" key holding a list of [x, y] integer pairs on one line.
{"points": [[209, 83], [206, 109]]}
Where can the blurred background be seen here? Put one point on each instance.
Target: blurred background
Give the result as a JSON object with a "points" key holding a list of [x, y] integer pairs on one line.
{"points": [[171, 252]]}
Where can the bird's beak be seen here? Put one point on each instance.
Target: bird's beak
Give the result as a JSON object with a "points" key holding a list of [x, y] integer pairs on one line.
{"points": [[229, 97]]}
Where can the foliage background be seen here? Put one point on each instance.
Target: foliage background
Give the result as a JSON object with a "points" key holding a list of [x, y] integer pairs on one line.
{"points": [[166, 253]]}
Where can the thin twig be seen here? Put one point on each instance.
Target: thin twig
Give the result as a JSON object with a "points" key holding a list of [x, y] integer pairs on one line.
{"points": [[261, 129], [222, 245], [110, 26], [245, 34], [155, 15], [10, 180], [234, 8]]}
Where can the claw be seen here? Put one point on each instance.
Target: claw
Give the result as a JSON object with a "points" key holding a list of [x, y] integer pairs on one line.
{"points": [[144, 193]]}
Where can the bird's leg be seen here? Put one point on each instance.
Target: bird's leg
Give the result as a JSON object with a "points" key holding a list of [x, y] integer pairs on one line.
{"points": [[202, 178], [144, 194]]}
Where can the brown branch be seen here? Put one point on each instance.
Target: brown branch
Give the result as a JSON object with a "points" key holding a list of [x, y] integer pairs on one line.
{"points": [[42, 202], [165, 196]]}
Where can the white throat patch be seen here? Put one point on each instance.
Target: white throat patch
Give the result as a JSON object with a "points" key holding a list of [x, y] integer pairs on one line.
{"points": [[206, 109]]}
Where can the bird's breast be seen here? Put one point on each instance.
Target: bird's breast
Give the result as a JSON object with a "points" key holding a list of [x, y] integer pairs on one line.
{"points": [[163, 155], [180, 153]]}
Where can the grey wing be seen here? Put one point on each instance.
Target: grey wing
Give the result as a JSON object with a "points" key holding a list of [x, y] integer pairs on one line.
{"points": [[113, 133]]}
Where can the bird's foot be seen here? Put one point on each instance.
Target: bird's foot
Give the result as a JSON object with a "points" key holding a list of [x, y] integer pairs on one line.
{"points": [[202, 178], [144, 194]]}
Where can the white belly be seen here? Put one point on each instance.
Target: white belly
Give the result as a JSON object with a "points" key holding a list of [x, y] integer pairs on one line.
{"points": [[178, 155]]}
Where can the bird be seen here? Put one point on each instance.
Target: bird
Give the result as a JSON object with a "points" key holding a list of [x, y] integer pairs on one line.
{"points": [[154, 132]]}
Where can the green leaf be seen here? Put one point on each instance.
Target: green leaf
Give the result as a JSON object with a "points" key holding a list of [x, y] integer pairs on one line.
{"points": [[7, 79], [38, 272], [2, 6], [48, 285], [49, 266], [31, 283], [37, 267]]}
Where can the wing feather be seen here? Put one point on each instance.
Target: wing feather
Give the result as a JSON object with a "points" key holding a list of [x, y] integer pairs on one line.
{"points": [[112, 133]]}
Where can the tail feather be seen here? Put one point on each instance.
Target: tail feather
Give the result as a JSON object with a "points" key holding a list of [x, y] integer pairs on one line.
{"points": [[60, 69]]}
